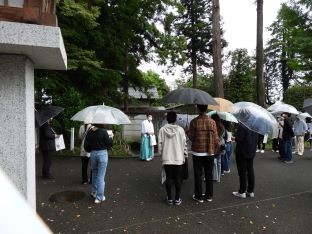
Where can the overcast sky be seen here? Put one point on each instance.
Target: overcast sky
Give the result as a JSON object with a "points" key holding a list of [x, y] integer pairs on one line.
{"points": [[239, 23]]}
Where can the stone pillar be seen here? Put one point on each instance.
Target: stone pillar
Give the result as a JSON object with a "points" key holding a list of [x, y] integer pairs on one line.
{"points": [[23, 48], [17, 138]]}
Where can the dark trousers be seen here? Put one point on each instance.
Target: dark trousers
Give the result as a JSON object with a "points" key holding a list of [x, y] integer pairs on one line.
{"points": [[200, 163], [281, 148], [173, 176], [275, 144], [47, 162], [246, 174], [260, 142], [185, 174], [84, 169]]}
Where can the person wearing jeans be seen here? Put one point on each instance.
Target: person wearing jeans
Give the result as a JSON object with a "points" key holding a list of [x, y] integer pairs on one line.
{"points": [[97, 142], [287, 136]]}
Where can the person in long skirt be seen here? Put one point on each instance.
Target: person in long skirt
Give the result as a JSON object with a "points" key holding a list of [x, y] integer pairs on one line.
{"points": [[147, 139]]}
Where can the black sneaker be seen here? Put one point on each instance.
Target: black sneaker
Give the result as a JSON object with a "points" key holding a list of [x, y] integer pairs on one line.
{"points": [[178, 202], [200, 200], [169, 201]]}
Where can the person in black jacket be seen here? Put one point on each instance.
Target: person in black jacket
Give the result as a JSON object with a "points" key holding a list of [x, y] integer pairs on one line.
{"points": [[47, 146], [97, 142], [287, 136], [246, 146]]}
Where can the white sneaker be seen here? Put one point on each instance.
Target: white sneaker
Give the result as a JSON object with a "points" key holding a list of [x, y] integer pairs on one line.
{"points": [[262, 151], [250, 194], [240, 195], [227, 171], [97, 201], [277, 151], [257, 151]]}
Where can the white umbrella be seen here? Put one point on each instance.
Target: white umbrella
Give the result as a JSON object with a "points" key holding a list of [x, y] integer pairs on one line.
{"points": [[224, 115], [304, 115], [101, 114], [281, 107], [254, 117]]}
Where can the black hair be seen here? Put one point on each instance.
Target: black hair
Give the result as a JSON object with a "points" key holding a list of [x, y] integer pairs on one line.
{"points": [[202, 108], [171, 117]]}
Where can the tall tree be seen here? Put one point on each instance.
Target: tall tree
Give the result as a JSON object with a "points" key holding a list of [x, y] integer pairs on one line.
{"points": [[216, 47], [240, 84], [188, 36], [259, 55]]}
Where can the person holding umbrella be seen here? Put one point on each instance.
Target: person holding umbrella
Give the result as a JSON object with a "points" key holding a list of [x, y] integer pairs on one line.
{"points": [[204, 137], [287, 136], [246, 145], [47, 146], [97, 142]]}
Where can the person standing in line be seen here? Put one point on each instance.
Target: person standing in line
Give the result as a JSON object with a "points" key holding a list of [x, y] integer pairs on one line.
{"points": [[147, 133], [300, 128], [85, 156], [228, 147], [246, 145], [280, 122], [261, 144], [219, 155], [275, 145], [173, 148], [287, 136], [98, 142], [47, 146], [204, 137]]}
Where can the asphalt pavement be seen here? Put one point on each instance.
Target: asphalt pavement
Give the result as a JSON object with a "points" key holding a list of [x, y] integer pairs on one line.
{"points": [[135, 199]]}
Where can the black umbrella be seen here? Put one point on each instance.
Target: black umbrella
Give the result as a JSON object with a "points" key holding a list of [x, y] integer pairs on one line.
{"points": [[307, 105], [189, 96], [43, 115]]}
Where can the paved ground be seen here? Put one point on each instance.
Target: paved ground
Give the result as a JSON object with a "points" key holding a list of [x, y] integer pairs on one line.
{"points": [[135, 200]]}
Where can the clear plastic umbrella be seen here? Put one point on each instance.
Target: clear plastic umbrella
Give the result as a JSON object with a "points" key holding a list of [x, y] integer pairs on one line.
{"points": [[224, 115], [101, 114], [254, 117], [281, 107]]}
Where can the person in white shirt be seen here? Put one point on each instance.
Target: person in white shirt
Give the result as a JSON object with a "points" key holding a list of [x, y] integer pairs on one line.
{"points": [[173, 148], [147, 139]]}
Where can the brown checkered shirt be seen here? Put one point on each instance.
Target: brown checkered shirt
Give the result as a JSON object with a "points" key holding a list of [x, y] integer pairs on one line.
{"points": [[203, 134]]}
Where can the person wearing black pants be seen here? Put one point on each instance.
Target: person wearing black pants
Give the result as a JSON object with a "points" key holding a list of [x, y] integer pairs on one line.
{"points": [[47, 146], [85, 156], [261, 145], [246, 144], [173, 177]]}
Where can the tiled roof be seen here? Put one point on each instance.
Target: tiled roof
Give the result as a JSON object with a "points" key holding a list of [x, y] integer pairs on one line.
{"points": [[138, 93]]}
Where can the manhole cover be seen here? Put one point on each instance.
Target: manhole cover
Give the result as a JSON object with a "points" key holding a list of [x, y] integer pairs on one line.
{"points": [[67, 196]]}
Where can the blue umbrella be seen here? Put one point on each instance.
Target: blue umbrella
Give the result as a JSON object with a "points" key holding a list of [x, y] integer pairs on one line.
{"points": [[254, 117]]}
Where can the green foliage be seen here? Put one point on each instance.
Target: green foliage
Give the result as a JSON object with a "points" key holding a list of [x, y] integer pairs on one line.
{"points": [[296, 95], [153, 79], [240, 85]]}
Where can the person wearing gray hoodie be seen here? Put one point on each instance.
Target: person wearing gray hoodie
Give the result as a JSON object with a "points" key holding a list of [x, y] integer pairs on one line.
{"points": [[172, 146]]}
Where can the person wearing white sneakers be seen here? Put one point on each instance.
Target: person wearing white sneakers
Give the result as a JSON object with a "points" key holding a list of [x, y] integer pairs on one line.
{"points": [[246, 145]]}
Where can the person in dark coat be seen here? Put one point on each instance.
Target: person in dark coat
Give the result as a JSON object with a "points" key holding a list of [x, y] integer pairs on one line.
{"points": [[246, 146], [47, 146]]}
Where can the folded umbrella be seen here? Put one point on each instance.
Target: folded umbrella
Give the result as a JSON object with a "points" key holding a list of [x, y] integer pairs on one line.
{"points": [[101, 114], [189, 96], [254, 117]]}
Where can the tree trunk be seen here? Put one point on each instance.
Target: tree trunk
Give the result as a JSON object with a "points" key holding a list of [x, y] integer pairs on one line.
{"points": [[259, 55], [194, 67], [216, 48]]}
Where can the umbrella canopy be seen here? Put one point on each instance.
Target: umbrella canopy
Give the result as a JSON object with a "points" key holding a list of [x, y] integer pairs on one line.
{"points": [[101, 114], [307, 105], [43, 115], [254, 117], [223, 105], [281, 107], [304, 115], [226, 116], [189, 96]]}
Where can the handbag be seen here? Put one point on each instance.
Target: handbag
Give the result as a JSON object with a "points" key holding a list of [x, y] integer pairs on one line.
{"points": [[59, 142]]}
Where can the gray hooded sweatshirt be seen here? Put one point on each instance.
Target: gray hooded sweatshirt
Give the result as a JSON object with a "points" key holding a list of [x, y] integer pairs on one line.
{"points": [[172, 144]]}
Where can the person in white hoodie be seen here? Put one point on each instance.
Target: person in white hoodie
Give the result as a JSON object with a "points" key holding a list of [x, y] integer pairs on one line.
{"points": [[172, 146]]}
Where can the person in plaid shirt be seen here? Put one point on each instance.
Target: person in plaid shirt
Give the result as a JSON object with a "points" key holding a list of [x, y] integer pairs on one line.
{"points": [[204, 137]]}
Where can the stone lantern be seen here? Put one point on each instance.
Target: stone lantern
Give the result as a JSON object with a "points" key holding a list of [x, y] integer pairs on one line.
{"points": [[29, 39], [29, 11]]}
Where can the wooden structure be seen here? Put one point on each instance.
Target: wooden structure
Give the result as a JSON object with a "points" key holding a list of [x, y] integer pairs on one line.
{"points": [[29, 11]]}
